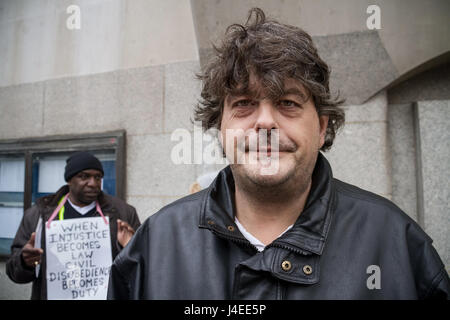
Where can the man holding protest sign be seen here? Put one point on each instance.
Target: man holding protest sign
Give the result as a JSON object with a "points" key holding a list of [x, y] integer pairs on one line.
{"points": [[81, 228]]}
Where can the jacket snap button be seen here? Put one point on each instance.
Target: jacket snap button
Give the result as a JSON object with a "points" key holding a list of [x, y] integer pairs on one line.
{"points": [[286, 265], [230, 228], [307, 269]]}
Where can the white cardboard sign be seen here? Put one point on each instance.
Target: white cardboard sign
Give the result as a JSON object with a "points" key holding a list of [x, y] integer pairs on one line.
{"points": [[79, 259]]}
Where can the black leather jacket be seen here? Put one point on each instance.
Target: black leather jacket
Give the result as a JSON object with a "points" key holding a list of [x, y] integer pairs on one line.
{"points": [[192, 249]]}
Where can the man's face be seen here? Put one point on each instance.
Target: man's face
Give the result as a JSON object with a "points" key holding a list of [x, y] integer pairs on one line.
{"points": [[301, 133], [85, 186]]}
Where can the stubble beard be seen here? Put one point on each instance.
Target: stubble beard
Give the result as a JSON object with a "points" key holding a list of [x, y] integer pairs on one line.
{"points": [[292, 179]]}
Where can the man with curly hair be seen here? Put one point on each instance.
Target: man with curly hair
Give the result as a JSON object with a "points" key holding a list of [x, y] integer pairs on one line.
{"points": [[296, 233]]}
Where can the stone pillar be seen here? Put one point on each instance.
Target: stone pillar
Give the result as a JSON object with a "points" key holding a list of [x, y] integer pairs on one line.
{"points": [[432, 133], [403, 155]]}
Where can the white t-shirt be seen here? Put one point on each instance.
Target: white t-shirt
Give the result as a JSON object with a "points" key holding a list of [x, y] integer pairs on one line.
{"points": [[258, 244], [82, 210]]}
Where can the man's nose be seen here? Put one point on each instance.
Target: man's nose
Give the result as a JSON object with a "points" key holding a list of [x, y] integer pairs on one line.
{"points": [[266, 116], [92, 181]]}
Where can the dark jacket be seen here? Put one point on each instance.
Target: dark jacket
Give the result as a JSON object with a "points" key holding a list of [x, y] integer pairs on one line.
{"points": [[15, 266], [192, 249]]}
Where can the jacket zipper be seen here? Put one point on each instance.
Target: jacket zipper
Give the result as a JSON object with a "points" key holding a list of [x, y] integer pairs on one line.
{"points": [[248, 244], [235, 239], [299, 251]]}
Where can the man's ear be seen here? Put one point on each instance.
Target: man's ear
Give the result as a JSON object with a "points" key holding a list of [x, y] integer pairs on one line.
{"points": [[323, 122], [70, 183]]}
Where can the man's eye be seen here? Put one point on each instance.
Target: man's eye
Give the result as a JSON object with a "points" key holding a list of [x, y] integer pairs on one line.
{"points": [[288, 103], [243, 103]]}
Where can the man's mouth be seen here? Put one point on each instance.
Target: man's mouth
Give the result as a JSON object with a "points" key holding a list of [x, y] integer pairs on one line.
{"points": [[92, 193], [260, 150], [269, 150]]}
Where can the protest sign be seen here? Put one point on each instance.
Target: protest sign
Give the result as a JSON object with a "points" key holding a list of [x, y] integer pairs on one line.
{"points": [[79, 259]]}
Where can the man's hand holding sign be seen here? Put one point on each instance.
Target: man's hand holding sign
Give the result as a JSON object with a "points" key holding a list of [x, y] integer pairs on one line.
{"points": [[31, 256], [124, 232]]}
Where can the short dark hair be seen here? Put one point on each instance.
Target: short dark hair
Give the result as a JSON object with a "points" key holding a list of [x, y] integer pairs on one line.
{"points": [[273, 52]]}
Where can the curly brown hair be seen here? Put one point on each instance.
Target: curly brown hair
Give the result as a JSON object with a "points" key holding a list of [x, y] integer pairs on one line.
{"points": [[272, 52]]}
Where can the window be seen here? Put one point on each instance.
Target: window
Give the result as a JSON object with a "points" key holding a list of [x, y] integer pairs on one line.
{"points": [[12, 177], [33, 168]]}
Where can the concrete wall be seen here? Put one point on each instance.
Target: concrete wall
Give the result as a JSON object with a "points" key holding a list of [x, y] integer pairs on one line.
{"points": [[360, 154], [402, 145], [418, 132], [412, 32], [432, 120], [114, 34]]}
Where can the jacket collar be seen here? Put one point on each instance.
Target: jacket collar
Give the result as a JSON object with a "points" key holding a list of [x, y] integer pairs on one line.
{"points": [[309, 232]]}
